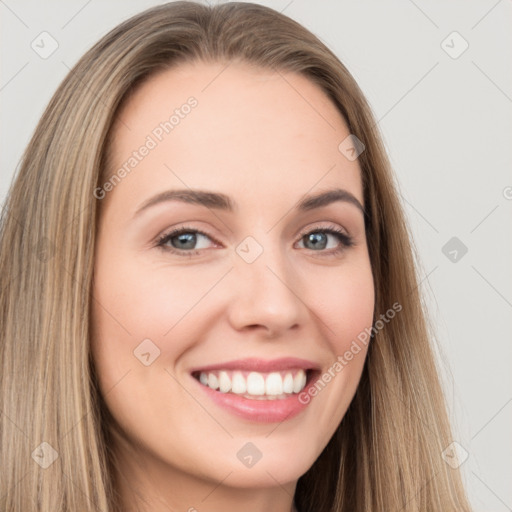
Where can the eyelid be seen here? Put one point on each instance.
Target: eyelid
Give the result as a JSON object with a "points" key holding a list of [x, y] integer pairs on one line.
{"points": [[330, 227]]}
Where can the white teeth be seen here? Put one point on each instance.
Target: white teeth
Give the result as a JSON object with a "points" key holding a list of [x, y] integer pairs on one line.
{"points": [[264, 385], [274, 384], [224, 382], [238, 384], [299, 382], [288, 383], [255, 384], [213, 382]]}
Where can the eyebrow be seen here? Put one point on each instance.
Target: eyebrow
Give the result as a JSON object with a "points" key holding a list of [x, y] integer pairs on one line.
{"points": [[219, 201]]}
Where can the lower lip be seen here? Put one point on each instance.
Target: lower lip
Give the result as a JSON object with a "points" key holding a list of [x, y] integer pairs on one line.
{"points": [[263, 411]]}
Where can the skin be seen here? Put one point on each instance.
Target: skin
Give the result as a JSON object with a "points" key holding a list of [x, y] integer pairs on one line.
{"points": [[265, 139]]}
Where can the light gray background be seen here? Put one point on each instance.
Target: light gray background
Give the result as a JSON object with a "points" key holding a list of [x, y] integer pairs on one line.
{"points": [[447, 125]]}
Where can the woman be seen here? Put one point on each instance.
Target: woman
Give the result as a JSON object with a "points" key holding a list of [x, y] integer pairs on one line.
{"points": [[209, 300]]}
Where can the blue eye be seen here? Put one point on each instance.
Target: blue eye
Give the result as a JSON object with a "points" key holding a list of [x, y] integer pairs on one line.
{"points": [[319, 239], [184, 241]]}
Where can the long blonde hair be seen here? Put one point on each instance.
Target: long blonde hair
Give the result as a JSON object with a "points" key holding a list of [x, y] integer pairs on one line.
{"points": [[386, 453]]}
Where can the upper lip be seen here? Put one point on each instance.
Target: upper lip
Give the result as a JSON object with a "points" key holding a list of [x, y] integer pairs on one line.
{"points": [[261, 365]]}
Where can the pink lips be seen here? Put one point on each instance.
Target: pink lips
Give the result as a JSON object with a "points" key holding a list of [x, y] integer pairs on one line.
{"points": [[263, 411], [261, 365]]}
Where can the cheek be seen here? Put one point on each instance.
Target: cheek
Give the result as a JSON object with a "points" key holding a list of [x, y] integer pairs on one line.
{"points": [[344, 302], [137, 301], [144, 300]]}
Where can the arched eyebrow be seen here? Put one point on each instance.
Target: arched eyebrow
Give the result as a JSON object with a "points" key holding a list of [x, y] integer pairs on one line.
{"points": [[220, 201], [327, 197]]}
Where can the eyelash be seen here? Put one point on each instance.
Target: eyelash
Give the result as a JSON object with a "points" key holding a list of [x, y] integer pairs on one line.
{"points": [[346, 240]]}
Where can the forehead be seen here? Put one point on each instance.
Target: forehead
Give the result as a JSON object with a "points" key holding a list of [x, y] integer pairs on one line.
{"points": [[248, 128]]}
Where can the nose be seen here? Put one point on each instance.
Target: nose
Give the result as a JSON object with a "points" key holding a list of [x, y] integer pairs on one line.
{"points": [[265, 295]]}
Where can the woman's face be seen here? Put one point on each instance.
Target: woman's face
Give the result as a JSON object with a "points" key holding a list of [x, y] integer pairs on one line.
{"points": [[253, 294]]}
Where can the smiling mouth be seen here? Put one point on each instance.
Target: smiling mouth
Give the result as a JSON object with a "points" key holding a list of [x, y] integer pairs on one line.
{"points": [[276, 385]]}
